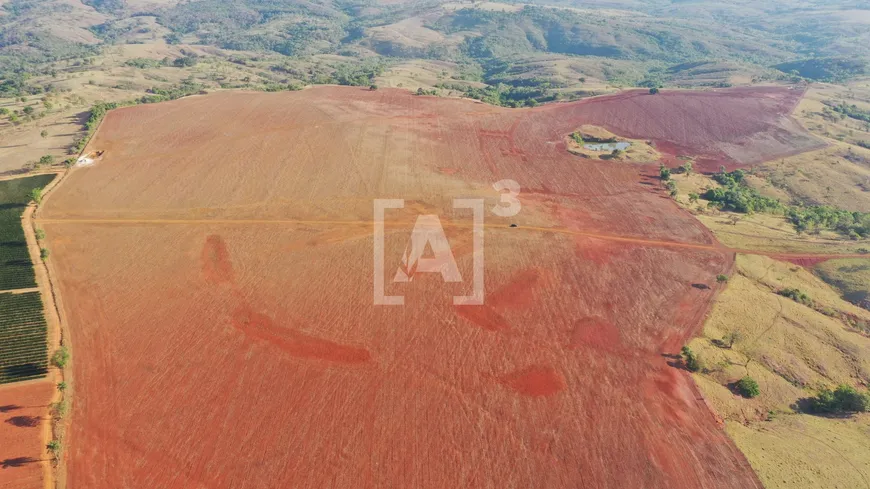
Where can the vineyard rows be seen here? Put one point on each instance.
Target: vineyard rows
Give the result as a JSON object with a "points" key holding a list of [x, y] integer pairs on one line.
{"points": [[23, 344], [23, 335], [16, 270]]}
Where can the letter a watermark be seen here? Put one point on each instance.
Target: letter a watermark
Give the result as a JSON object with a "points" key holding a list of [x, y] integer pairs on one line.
{"points": [[428, 233]]}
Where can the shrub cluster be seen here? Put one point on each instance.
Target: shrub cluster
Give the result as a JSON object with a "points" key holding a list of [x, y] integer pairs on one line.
{"points": [[852, 111], [503, 94], [855, 225], [60, 357], [748, 387], [843, 399], [796, 295], [691, 360], [98, 111], [735, 195]]}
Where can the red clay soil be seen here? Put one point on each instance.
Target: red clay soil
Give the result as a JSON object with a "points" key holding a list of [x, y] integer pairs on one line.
{"points": [[22, 454], [216, 266], [731, 128]]}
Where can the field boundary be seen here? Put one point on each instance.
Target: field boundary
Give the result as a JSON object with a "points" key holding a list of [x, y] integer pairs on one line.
{"points": [[56, 333], [54, 476]]}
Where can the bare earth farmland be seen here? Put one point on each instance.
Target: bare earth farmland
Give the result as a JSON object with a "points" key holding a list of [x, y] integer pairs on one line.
{"points": [[216, 269], [22, 454]]}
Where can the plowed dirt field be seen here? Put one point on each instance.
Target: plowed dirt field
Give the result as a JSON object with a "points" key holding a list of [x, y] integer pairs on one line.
{"points": [[216, 268], [23, 458]]}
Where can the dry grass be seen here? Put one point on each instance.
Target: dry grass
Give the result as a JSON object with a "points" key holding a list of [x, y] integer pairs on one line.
{"points": [[803, 451], [419, 74], [410, 33], [851, 276], [791, 350], [762, 232], [773, 233], [108, 79], [840, 174], [570, 70]]}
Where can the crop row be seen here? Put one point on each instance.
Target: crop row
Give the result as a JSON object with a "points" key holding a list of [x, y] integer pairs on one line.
{"points": [[18, 344], [16, 269], [22, 311], [23, 339]]}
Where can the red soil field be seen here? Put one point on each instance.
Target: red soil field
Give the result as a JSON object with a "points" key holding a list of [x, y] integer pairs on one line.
{"points": [[216, 270], [731, 127], [22, 453]]}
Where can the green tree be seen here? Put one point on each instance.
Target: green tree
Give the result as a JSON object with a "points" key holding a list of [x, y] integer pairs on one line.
{"points": [[690, 359], [721, 278], [60, 357], [796, 295], [748, 387], [186, 61], [843, 399], [44, 253], [664, 172], [693, 197], [36, 195], [46, 160], [40, 234], [653, 91], [54, 447], [687, 168], [44, 134]]}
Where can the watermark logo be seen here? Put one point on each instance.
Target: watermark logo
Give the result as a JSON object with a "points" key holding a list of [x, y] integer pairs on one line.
{"points": [[428, 234]]}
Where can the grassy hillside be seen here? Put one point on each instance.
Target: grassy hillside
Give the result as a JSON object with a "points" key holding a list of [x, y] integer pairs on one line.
{"points": [[792, 350], [693, 43], [851, 276]]}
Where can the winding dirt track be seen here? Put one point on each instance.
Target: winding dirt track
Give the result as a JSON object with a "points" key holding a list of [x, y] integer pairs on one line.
{"points": [[216, 269]]}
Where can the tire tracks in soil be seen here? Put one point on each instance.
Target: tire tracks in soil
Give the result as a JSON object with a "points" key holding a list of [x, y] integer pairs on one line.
{"points": [[656, 243]]}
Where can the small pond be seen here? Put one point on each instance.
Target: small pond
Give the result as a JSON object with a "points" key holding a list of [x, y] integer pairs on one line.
{"points": [[622, 146]]}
